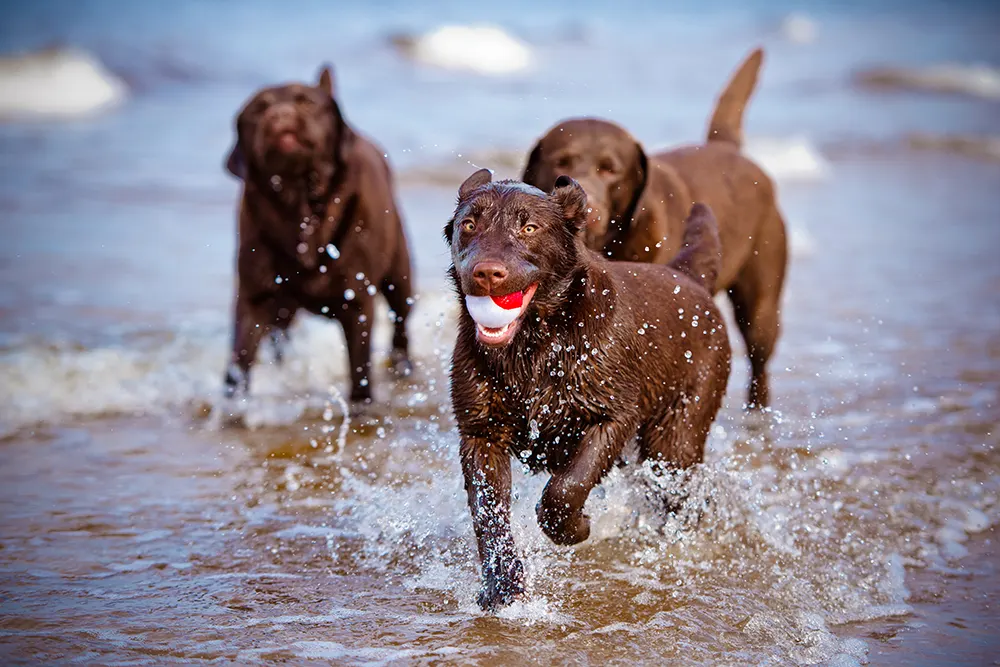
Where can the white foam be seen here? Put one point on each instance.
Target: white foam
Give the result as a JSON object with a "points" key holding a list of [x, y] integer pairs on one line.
{"points": [[976, 80], [57, 83], [50, 383], [483, 49], [787, 158], [799, 28], [800, 241]]}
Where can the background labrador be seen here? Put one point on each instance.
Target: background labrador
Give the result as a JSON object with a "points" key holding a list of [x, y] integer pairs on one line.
{"points": [[319, 229], [638, 204]]}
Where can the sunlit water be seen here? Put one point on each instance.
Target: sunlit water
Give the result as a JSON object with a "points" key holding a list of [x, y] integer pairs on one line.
{"points": [[144, 520]]}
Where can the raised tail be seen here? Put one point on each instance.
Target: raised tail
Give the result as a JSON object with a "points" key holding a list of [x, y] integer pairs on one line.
{"points": [[700, 256], [727, 121]]}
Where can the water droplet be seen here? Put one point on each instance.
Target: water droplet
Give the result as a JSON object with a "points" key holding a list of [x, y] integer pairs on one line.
{"points": [[642, 332], [278, 280], [677, 289], [325, 309], [276, 183], [687, 355], [363, 382], [322, 269], [362, 318], [606, 292], [380, 432], [372, 290], [359, 276], [349, 294], [332, 251], [556, 346], [533, 431], [410, 301]]}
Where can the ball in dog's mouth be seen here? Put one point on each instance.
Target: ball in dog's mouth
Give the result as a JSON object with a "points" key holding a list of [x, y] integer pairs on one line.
{"points": [[498, 317]]}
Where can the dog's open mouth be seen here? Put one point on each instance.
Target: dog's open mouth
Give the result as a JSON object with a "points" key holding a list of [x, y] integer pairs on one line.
{"points": [[288, 142], [499, 317]]}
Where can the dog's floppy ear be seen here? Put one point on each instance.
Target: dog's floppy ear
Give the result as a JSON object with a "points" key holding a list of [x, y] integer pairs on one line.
{"points": [[641, 188], [572, 198], [449, 229], [236, 163], [325, 83], [480, 178], [530, 175]]}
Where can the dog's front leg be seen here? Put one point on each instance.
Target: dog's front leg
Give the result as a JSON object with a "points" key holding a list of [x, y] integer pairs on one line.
{"points": [[486, 466], [560, 510], [252, 319], [357, 323]]}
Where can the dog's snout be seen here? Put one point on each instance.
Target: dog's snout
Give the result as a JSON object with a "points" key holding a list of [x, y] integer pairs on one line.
{"points": [[282, 117], [489, 275]]}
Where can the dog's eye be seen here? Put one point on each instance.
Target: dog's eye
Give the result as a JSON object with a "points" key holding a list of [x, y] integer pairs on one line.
{"points": [[262, 103], [606, 166], [529, 229], [469, 226], [565, 162]]}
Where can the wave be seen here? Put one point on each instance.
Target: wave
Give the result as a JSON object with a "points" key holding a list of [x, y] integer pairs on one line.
{"points": [[482, 49], [983, 147], [982, 81], [799, 29], [57, 83], [788, 158], [176, 371]]}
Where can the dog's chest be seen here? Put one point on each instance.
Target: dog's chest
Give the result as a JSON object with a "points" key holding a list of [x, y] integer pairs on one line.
{"points": [[566, 395]]}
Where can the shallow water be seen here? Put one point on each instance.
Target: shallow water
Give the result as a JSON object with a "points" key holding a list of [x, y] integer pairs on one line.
{"points": [[145, 521]]}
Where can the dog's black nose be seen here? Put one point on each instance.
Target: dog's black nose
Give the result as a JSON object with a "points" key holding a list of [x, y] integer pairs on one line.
{"points": [[489, 275]]}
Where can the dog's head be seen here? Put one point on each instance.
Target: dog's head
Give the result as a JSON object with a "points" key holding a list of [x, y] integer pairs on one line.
{"points": [[603, 158], [514, 250], [293, 129]]}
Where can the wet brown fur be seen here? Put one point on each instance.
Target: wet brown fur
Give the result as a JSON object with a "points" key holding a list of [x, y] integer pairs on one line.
{"points": [[606, 351], [639, 205]]}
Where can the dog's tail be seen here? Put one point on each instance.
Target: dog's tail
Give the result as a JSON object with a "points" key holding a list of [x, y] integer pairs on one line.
{"points": [[700, 256], [727, 121]]}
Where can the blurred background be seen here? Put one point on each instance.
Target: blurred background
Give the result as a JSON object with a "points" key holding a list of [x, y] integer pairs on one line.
{"points": [[121, 470]]}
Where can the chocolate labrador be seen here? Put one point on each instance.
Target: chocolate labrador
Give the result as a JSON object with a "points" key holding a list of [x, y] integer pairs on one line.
{"points": [[638, 203], [563, 357], [319, 229]]}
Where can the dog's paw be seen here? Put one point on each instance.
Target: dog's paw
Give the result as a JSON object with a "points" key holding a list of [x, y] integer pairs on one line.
{"points": [[562, 527], [501, 588], [360, 407], [236, 381], [400, 366], [279, 342]]}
